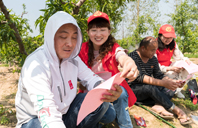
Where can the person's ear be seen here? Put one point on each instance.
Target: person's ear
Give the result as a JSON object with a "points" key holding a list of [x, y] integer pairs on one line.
{"points": [[109, 32], [88, 32], [143, 48]]}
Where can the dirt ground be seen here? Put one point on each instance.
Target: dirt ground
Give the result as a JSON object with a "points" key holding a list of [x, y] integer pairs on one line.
{"points": [[8, 88]]}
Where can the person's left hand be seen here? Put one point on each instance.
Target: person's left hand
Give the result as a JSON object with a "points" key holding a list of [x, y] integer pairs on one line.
{"points": [[114, 94], [175, 69], [130, 70]]}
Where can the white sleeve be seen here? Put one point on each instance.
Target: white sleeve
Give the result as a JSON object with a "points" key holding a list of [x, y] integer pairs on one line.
{"points": [[119, 52], [37, 81], [88, 78], [177, 55]]}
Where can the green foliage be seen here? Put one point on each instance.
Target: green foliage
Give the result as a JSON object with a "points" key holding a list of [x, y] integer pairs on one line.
{"points": [[114, 8], [127, 43], [4, 120], [9, 48], [191, 55], [9, 52], [4, 115], [187, 103], [4, 65], [185, 23], [143, 19], [143, 22]]}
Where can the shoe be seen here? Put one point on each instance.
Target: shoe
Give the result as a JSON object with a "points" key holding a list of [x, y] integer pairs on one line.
{"points": [[167, 117], [186, 122], [180, 95]]}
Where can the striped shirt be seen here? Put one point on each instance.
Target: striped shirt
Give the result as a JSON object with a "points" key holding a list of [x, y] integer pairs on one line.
{"points": [[151, 68]]}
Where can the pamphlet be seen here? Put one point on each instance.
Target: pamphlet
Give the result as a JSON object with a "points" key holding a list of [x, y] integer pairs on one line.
{"points": [[93, 98], [190, 68]]}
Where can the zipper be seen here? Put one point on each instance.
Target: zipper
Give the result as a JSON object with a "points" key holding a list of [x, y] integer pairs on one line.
{"points": [[60, 93], [62, 80]]}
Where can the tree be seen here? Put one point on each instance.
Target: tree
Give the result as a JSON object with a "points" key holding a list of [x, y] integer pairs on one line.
{"points": [[14, 29], [143, 16], [81, 10], [15, 42], [185, 23], [12, 25]]}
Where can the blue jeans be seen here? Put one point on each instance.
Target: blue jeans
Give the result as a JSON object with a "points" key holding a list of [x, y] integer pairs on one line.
{"points": [[70, 118], [122, 115], [108, 117]]}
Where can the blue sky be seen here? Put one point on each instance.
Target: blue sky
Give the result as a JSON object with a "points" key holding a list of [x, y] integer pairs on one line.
{"points": [[33, 7]]}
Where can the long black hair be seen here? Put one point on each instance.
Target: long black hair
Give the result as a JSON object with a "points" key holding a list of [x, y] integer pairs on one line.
{"points": [[162, 46], [106, 47]]}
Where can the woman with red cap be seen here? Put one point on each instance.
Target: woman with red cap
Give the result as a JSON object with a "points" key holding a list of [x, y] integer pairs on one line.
{"points": [[167, 49], [103, 55]]}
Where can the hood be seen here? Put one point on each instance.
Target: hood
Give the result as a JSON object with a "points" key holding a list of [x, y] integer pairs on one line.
{"points": [[53, 24]]}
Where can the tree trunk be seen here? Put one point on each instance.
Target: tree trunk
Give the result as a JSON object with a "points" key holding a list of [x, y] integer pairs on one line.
{"points": [[184, 32], [78, 5], [138, 11], [13, 26], [138, 14]]}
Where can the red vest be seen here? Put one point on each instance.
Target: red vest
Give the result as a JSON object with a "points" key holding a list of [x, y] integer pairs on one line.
{"points": [[164, 56], [109, 64]]}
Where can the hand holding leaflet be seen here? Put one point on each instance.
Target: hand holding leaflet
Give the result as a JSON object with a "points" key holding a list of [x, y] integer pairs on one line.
{"points": [[190, 68], [93, 98]]}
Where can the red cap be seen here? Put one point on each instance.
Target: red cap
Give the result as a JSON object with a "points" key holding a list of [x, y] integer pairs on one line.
{"points": [[98, 14], [167, 31]]}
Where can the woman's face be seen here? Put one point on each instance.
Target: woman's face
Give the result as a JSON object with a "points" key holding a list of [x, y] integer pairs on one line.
{"points": [[166, 40], [98, 36]]}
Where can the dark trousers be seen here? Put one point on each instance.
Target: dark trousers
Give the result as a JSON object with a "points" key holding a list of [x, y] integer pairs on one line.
{"points": [[151, 94]]}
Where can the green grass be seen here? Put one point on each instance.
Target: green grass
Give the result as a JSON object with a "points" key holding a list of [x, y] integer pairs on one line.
{"points": [[11, 96], [4, 65], [190, 55], [5, 113], [186, 103]]}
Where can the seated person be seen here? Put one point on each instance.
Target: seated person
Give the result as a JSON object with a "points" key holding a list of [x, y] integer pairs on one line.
{"points": [[47, 86], [101, 53], [167, 49], [151, 85]]}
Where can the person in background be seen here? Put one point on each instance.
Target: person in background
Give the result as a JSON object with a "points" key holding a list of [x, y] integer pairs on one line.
{"points": [[167, 49], [102, 55], [46, 96], [152, 87]]}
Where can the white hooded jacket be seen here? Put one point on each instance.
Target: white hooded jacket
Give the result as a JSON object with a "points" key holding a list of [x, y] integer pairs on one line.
{"points": [[47, 87]]}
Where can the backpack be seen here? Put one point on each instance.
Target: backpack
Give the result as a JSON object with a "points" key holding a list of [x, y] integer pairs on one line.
{"points": [[193, 90]]}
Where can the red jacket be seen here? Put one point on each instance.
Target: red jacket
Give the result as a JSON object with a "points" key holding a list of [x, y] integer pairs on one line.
{"points": [[109, 64], [164, 56]]}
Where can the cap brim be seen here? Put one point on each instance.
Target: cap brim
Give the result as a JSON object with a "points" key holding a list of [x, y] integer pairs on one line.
{"points": [[98, 17], [168, 35]]}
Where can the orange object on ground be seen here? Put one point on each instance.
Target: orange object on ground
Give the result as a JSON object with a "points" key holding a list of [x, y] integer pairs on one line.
{"points": [[140, 121]]}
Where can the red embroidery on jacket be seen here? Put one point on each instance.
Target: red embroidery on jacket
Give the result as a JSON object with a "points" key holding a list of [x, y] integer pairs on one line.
{"points": [[110, 67], [70, 84]]}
